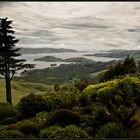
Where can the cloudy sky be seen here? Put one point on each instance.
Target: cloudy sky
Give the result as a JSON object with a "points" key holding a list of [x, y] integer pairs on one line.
{"points": [[76, 25]]}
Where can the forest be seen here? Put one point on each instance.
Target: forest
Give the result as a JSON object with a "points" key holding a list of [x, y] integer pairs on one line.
{"points": [[108, 107]]}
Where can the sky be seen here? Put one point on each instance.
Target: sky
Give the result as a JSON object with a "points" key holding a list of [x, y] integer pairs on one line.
{"points": [[76, 25]]}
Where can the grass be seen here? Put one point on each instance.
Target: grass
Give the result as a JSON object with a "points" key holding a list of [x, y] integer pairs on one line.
{"points": [[20, 89]]}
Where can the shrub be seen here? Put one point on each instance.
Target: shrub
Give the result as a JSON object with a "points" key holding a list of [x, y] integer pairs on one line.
{"points": [[28, 128], [63, 117], [8, 120], [83, 100], [31, 105], [6, 110], [42, 116], [86, 121], [56, 87], [11, 134], [46, 133], [81, 85], [111, 130], [71, 131]]}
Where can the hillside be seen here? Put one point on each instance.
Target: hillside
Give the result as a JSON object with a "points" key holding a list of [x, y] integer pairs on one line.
{"points": [[20, 89], [66, 72], [44, 50]]}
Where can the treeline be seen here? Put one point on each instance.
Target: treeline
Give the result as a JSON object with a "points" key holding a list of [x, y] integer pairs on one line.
{"points": [[128, 66]]}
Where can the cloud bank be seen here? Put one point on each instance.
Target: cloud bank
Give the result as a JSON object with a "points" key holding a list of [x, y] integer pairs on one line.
{"points": [[77, 25]]}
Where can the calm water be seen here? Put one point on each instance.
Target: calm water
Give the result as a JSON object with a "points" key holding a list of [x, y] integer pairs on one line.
{"points": [[42, 64]]}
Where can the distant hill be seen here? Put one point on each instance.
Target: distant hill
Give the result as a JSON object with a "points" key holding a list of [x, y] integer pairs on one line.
{"points": [[118, 54], [48, 59], [55, 59], [44, 50]]}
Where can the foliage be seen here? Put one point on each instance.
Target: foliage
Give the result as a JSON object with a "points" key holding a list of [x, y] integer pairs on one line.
{"points": [[66, 73], [11, 134], [6, 112], [32, 104], [63, 117], [111, 130], [120, 69], [28, 128], [56, 87], [65, 98], [70, 131], [8, 64], [42, 116], [81, 84], [47, 132]]}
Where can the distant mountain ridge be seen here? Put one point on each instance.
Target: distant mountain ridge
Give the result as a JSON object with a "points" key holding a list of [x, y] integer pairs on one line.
{"points": [[117, 53], [44, 50]]}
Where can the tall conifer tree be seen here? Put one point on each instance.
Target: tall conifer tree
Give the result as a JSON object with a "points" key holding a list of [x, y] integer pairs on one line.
{"points": [[8, 53]]}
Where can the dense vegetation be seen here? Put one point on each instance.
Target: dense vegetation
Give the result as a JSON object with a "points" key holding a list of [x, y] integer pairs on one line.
{"points": [[104, 110]]}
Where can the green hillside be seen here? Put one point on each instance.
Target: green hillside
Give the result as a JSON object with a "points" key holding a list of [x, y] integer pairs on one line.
{"points": [[20, 89]]}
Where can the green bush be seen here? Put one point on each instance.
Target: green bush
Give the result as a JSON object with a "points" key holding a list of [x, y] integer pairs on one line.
{"points": [[111, 130], [71, 131], [63, 117], [31, 105], [81, 85], [42, 116], [6, 111], [11, 134], [8, 120], [28, 128], [56, 87], [47, 132]]}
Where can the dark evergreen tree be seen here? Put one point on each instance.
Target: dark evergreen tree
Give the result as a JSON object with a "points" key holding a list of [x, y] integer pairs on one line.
{"points": [[129, 65], [8, 53], [118, 69]]}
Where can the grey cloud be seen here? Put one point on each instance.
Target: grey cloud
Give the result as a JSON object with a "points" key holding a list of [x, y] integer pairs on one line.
{"points": [[134, 29], [75, 25], [2, 4], [86, 25]]}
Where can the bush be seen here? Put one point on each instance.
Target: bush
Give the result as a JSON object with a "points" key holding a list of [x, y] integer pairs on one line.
{"points": [[8, 120], [31, 105], [47, 132], [28, 128], [6, 111], [42, 116], [71, 131], [56, 87], [81, 85], [63, 117], [11, 134], [111, 130]]}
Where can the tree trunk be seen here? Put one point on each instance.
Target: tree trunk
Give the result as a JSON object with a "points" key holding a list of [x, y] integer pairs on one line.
{"points": [[8, 87]]}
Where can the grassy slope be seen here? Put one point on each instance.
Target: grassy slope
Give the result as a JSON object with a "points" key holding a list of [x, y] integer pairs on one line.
{"points": [[20, 89]]}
